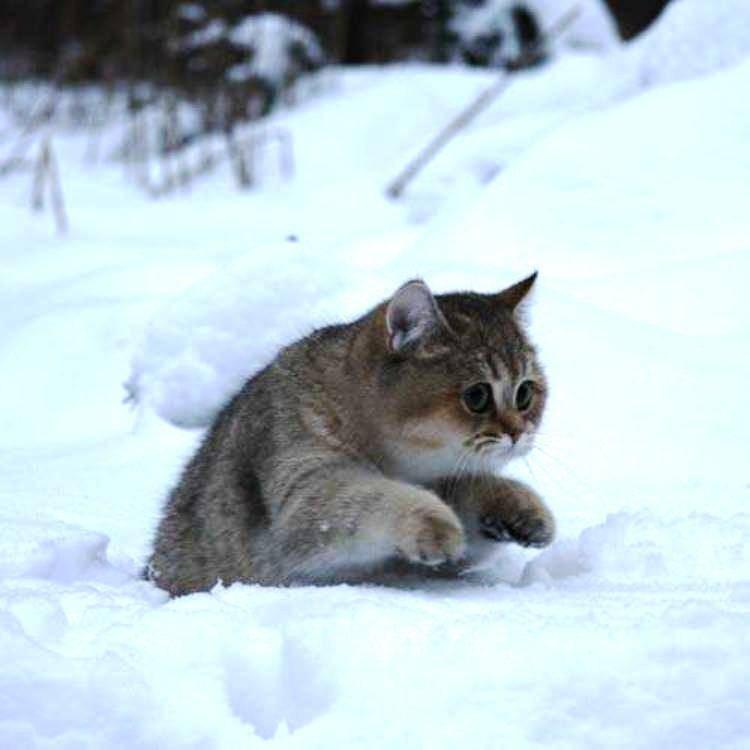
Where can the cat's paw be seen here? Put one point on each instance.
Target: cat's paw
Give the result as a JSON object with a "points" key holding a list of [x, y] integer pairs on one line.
{"points": [[431, 535], [529, 528]]}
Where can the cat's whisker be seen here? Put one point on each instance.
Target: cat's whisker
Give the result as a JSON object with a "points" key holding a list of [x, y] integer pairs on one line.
{"points": [[487, 469], [461, 468], [528, 466], [556, 438], [544, 450], [485, 466], [565, 474], [455, 476]]}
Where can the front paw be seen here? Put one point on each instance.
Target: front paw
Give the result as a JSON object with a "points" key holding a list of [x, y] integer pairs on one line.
{"points": [[431, 535], [529, 528]]}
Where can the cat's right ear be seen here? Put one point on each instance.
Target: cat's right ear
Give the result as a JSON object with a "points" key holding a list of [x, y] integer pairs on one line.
{"points": [[517, 298], [411, 315]]}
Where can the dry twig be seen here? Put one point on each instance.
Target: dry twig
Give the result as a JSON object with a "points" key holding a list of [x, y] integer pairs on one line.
{"points": [[46, 174], [396, 188]]}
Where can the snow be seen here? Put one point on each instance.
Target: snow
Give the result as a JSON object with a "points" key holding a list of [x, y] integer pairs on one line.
{"points": [[629, 195], [470, 23], [269, 37], [591, 28], [693, 38], [586, 25], [191, 12], [213, 32]]}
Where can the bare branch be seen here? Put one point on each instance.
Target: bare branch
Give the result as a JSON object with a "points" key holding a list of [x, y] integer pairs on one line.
{"points": [[397, 187]]}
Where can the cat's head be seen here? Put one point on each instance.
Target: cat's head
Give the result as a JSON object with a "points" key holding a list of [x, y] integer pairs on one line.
{"points": [[461, 386]]}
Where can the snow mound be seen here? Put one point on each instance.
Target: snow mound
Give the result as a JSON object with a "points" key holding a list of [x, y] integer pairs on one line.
{"points": [[53, 551], [199, 351], [698, 547], [50, 701], [653, 205], [321, 667], [692, 38]]}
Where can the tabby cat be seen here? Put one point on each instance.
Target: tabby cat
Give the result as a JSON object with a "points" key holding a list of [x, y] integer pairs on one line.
{"points": [[367, 446]]}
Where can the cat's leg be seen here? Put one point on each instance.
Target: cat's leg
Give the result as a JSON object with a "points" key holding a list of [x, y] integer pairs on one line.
{"points": [[495, 509], [335, 520]]}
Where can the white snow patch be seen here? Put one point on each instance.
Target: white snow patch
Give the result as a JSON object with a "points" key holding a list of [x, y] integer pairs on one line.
{"points": [[207, 35], [692, 38], [696, 548], [205, 344], [268, 36], [592, 28], [56, 552]]}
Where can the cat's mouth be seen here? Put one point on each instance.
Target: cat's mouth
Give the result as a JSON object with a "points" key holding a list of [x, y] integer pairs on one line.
{"points": [[501, 448]]}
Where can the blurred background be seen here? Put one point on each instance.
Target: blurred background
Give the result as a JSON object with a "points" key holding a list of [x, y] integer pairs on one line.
{"points": [[164, 42], [233, 61]]}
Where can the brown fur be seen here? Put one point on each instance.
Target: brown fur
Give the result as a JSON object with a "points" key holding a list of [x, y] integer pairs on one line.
{"points": [[354, 448]]}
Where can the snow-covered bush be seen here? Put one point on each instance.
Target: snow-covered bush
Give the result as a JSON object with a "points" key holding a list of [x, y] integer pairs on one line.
{"points": [[255, 58], [497, 34], [508, 34], [278, 49]]}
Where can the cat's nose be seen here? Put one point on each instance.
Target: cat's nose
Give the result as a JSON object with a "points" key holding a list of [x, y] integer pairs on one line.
{"points": [[512, 426], [514, 435]]}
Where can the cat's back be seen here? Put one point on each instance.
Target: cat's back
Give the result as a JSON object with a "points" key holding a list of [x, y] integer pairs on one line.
{"points": [[267, 415]]}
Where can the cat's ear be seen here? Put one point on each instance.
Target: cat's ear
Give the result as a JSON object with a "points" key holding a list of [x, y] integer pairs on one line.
{"points": [[411, 315], [517, 297]]}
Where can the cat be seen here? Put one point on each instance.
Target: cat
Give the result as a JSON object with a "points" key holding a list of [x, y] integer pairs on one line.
{"points": [[367, 445]]}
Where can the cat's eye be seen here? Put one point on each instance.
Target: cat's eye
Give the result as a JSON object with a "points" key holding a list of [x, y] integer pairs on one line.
{"points": [[524, 395], [478, 398]]}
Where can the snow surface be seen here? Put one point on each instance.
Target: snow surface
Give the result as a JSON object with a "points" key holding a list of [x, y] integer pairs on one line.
{"points": [[631, 630], [693, 38]]}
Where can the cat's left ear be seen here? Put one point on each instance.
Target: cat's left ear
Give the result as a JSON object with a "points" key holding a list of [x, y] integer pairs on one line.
{"points": [[411, 315], [518, 297]]}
